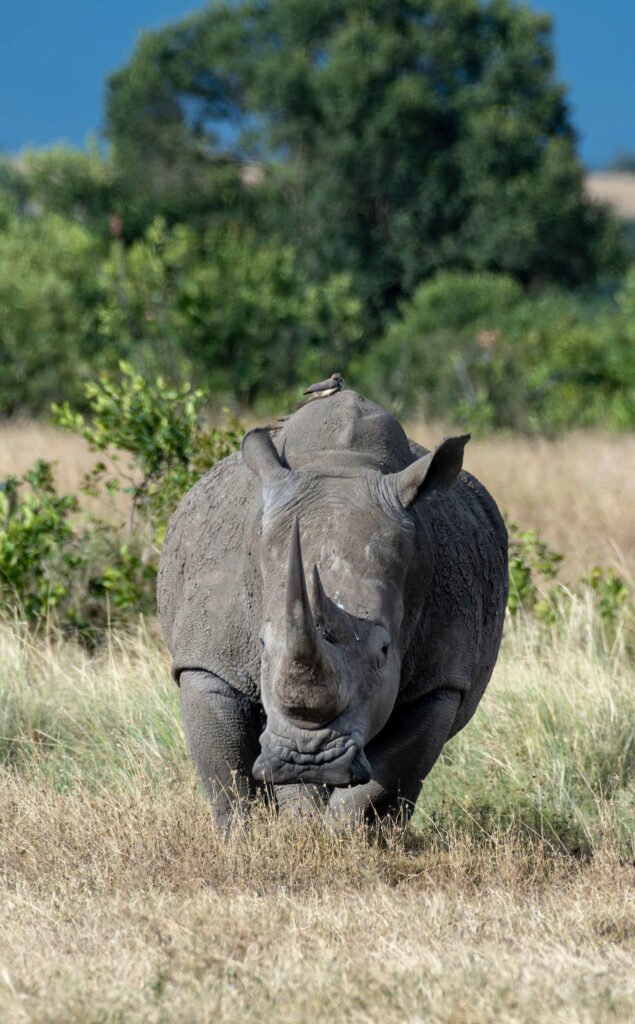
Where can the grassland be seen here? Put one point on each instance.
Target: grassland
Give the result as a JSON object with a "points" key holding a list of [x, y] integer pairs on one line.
{"points": [[511, 897]]}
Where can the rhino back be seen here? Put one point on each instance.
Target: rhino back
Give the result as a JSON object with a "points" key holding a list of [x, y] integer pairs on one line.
{"points": [[208, 597]]}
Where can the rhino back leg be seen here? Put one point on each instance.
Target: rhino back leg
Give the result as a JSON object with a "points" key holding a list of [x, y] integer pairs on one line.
{"points": [[400, 758], [222, 729]]}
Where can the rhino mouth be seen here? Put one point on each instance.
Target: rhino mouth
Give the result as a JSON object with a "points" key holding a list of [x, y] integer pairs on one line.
{"points": [[306, 757]]}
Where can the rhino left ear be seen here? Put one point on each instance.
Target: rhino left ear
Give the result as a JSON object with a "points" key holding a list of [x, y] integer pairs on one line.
{"points": [[436, 471], [259, 453]]}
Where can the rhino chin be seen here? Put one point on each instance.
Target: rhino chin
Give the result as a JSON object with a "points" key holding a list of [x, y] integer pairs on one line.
{"points": [[338, 761]]}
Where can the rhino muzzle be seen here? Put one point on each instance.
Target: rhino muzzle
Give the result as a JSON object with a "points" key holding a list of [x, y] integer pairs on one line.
{"points": [[330, 760], [307, 738]]}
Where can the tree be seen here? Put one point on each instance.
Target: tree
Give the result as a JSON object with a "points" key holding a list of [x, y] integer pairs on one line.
{"points": [[170, 119], [77, 184], [404, 135]]}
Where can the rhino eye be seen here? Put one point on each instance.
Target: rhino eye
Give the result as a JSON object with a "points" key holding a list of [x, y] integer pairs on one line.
{"points": [[382, 656], [261, 641]]}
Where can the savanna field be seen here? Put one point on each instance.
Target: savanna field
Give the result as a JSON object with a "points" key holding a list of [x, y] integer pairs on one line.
{"points": [[510, 897], [280, 191]]}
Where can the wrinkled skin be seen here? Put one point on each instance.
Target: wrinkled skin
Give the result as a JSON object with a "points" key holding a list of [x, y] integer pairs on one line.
{"points": [[333, 600]]}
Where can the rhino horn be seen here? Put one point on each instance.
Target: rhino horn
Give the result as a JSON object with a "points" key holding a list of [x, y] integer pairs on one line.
{"points": [[302, 641], [329, 617]]}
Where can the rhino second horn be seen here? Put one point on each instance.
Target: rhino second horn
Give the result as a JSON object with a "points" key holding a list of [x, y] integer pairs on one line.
{"points": [[302, 641], [328, 616]]}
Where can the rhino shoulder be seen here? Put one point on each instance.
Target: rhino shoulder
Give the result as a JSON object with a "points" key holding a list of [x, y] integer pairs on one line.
{"points": [[205, 593]]}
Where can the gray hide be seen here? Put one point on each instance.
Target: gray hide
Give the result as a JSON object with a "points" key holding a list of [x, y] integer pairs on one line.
{"points": [[333, 599]]}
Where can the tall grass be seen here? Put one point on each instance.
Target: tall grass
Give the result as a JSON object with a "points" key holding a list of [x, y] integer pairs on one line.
{"points": [[550, 752], [510, 897]]}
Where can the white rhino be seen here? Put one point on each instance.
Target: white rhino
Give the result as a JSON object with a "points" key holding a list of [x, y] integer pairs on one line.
{"points": [[343, 690]]}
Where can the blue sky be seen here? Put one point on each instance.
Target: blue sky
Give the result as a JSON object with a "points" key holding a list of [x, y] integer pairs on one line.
{"points": [[56, 54]]}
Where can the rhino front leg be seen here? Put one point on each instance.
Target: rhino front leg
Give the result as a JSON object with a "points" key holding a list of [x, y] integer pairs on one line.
{"points": [[221, 728], [302, 799], [400, 758]]}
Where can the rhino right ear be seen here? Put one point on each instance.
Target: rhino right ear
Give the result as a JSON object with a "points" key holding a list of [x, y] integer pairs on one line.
{"points": [[436, 471], [259, 453]]}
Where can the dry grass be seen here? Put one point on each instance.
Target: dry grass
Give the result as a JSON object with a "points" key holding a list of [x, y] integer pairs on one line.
{"points": [[511, 899], [24, 441], [134, 911]]}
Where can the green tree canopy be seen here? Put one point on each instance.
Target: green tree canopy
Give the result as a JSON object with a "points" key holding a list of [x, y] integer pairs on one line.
{"points": [[403, 135]]}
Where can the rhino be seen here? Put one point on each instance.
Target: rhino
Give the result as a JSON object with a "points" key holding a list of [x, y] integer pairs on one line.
{"points": [[333, 598]]}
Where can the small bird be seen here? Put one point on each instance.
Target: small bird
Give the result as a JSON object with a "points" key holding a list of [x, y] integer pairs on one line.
{"points": [[324, 389]]}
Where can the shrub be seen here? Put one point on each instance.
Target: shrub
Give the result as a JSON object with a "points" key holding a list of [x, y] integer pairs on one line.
{"points": [[48, 273], [60, 565], [529, 557], [475, 348], [233, 309], [36, 541], [535, 590], [160, 428], [80, 185]]}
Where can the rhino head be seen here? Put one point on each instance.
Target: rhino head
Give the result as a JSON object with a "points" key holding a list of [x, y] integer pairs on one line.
{"points": [[345, 575]]}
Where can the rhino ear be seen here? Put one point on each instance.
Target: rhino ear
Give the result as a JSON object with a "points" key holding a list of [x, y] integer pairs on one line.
{"points": [[259, 453], [436, 471]]}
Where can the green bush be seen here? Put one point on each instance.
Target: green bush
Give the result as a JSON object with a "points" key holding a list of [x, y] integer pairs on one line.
{"points": [[427, 358], [529, 557], [37, 551], [228, 308], [48, 295], [235, 311], [536, 590], [61, 566], [80, 185], [160, 428], [476, 349]]}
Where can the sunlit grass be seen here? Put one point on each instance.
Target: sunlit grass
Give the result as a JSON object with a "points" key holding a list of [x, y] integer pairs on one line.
{"points": [[509, 898]]}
